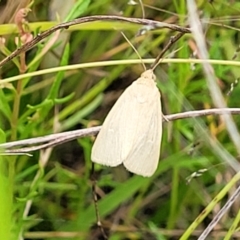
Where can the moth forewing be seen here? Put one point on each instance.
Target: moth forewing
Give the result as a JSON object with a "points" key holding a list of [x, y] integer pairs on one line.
{"points": [[131, 133], [106, 148], [112, 142], [145, 152]]}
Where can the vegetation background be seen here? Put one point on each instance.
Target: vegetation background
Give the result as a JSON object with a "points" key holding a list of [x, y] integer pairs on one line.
{"points": [[49, 195]]}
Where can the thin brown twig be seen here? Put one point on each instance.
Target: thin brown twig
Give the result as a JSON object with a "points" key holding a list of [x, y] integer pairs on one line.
{"points": [[95, 199], [140, 21], [59, 138]]}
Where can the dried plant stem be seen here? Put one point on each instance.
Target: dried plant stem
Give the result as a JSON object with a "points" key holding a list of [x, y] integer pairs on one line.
{"points": [[59, 138], [140, 21], [218, 216]]}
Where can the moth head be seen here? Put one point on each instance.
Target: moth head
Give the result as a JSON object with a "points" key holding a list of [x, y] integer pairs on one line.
{"points": [[149, 75]]}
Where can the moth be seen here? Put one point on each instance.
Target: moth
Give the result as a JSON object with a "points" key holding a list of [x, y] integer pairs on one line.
{"points": [[132, 131]]}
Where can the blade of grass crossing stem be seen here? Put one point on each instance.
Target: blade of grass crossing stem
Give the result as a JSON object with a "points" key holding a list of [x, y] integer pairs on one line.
{"points": [[5, 107], [233, 228], [48, 102], [210, 206], [53, 93]]}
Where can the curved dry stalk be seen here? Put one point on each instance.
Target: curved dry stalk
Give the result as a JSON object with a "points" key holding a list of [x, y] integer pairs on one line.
{"points": [[146, 22], [214, 89], [59, 138], [52, 137]]}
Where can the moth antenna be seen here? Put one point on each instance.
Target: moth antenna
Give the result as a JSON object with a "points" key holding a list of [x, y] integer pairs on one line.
{"points": [[95, 200], [169, 44], [135, 50], [142, 7]]}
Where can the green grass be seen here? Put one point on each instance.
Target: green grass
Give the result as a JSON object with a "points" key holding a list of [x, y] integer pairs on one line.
{"points": [[72, 82]]}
